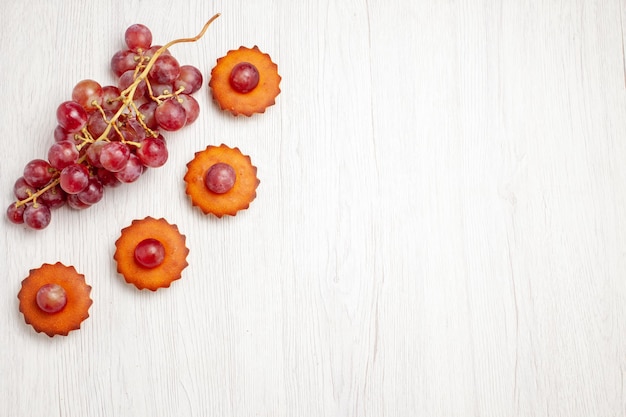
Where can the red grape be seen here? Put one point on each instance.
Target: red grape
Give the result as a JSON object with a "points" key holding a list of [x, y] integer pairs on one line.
{"points": [[53, 197], [220, 178], [71, 116], [132, 130], [191, 106], [74, 202], [51, 298], [92, 193], [93, 153], [114, 155], [244, 77], [37, 216], [161, 89], [38, 173], [22, 189], [153, 152], [165, 70], [110, 98], [86, 92], [138, 36], [127, 79], [61, 134], [149, 253], [62, 154], [190, 78], [15, 213], [74, 178], [107, 178], [147, 110], [96, 124], [131, 171], [170, 115], [123, 61]]}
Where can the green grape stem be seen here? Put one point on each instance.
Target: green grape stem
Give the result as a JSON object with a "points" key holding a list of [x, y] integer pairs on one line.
{"points": [[126, 97]]}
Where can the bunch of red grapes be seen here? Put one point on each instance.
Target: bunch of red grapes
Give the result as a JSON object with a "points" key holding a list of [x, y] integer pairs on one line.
{"points": [[109, 135]]}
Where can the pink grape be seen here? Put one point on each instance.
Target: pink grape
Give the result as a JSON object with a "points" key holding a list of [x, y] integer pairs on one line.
{"points": [[170, 115], [244, 77], [62, 154], [114, 155], [16, 214], [165, 70], [149, 253], [38, 173], [153, 152], [71, 116], [190, 78], [220, 178], [191, 106], [86, 92], [138, 36], [37, 216], [131, 171], [51, 298], [74, 178]]}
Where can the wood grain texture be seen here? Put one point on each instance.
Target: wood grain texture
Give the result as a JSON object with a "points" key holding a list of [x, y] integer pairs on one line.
{"points": [[439, 228]]}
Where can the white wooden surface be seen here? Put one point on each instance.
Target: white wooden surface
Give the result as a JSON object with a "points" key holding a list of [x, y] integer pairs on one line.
{"points": [[439, 228]]}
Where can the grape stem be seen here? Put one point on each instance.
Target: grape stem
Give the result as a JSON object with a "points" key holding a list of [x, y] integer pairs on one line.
{"points": [[126, 97]]}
